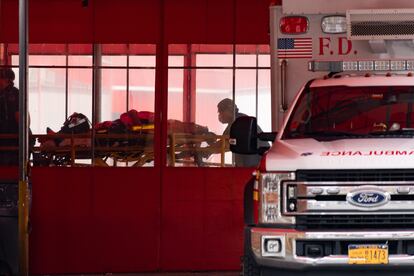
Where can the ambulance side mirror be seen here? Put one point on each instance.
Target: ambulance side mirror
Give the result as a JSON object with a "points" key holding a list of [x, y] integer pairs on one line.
{"points": [[244, 136]]}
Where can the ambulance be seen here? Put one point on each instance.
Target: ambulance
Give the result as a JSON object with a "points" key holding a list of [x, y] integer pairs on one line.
{"points": [[336, 189]]}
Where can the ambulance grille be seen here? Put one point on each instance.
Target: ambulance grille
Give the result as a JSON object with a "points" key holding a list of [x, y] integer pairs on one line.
{"points": [[391, 221], [355, 175], [391, 29], [380, 24]]}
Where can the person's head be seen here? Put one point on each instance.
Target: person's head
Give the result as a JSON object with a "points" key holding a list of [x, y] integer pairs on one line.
{"points": [[6, 77], [226, 109]]}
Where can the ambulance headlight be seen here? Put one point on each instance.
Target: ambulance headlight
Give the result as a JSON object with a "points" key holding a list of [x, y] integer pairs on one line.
{"points": [[270, 197], [335, 24]]}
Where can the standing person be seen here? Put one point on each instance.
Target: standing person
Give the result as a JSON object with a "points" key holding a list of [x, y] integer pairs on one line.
{"points": [[9, 116], [227, 114]]}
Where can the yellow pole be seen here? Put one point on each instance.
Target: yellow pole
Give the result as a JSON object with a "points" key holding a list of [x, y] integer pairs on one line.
{"points": [[24, 199], [223, 150]]}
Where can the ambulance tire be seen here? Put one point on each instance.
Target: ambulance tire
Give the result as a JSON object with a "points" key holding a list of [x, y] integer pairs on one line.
{"points": [[5, 269], [249, 265]]}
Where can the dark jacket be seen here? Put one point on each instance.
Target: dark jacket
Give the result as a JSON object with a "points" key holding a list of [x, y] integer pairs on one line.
{"points": [[9, 106]]}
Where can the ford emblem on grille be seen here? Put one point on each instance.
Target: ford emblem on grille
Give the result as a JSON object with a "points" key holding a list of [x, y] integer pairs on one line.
{"points": [[368, 198]]}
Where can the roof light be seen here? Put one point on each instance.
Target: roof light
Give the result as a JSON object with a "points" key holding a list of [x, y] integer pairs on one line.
{"points": [[366, 65], [326, 66], [398, 65], [350, 66], [294, 25], [382, 65], [335, 24], [362, 65], [410, 65]]}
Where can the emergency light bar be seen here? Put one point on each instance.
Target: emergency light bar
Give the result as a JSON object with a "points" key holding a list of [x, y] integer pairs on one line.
{"points": [[361, 65]]}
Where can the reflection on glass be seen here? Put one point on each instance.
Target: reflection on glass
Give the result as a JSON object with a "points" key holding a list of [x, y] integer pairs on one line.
{"points": [[246, 60], [264, 101], [214, 60], [80, 91], [60, 104], [201, 85], [47, 98], [80, 60], [264, 60], [175, 94], [246, 91], [142, 89], [114, 94], [114, 61], [142, 61]]}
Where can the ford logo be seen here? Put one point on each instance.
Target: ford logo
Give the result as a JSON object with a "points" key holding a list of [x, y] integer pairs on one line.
{"points": [[368, 198]]}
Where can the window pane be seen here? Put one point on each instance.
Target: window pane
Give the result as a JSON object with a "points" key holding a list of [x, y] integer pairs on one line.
{"points": [[39, 60], [114, 61], [53, 98], [80, 92], [214, 60], [246, 91], [113, 94], [264, 60], [47, 99], [142, 99], [195, 130], [175, 94], [142, 61], [135, 149], [142, 89], [176, 61], [211, 87], [79, 60], [264, 117], [195, 134], [246, 60]]}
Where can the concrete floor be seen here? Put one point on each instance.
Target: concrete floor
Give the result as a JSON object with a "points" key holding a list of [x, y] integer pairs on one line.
{"points": [[217, 273], [191, 274], [372, 272]]}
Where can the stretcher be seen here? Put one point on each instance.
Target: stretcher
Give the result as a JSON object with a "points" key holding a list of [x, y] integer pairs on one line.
{"points": [[130, 149], [195, 150], [188, 144]]}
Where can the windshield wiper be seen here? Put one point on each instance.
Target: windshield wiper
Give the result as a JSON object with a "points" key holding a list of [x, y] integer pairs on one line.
{"points": [[404, 132], [330, 134]]}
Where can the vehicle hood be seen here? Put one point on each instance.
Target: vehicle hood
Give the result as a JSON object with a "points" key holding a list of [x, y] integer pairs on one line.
{"points": [[309, 154]]}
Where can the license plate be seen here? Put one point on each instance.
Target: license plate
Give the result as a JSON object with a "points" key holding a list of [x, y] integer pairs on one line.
{"points": [[368, 254]]}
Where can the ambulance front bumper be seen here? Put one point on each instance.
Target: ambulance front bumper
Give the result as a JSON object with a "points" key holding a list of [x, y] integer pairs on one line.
{"points": [[288, 256]]}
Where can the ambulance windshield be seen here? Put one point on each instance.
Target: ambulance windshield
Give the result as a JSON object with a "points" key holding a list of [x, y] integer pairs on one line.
{"points": [[338, 112]]}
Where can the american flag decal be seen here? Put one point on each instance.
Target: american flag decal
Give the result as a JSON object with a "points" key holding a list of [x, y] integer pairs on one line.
{"points": [[294, 48]]}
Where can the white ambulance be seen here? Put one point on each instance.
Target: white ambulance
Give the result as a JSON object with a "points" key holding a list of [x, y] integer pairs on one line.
{"points": [[336, 189]]}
